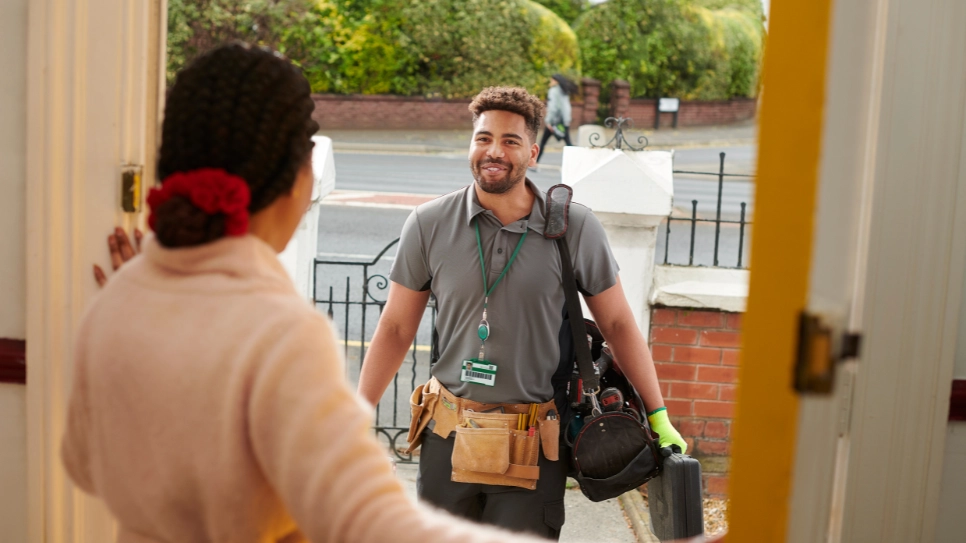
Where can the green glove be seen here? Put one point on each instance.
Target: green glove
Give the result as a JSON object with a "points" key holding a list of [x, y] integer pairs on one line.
{"points": [[662, 425]]}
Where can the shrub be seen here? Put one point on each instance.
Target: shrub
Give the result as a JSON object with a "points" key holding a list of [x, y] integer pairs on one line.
{"points": [[447, 48], [461, 46], [736, 40], [568, 10], [196, 26], [672, 47]]}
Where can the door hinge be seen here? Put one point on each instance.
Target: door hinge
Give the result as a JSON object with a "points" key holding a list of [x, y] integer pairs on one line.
{"points": [[823, 342]]}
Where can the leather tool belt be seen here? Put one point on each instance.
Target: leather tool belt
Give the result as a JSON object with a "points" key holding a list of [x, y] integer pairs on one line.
{"points": [[489, 449]]}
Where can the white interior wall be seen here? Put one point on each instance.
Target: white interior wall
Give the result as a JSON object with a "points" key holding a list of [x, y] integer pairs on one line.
{"points": [[959, 369], [951, 524], [13, 439], [13, 463], [13, 89]]}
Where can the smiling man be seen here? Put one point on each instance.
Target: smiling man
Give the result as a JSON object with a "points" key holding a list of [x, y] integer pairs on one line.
{"points": [[488, 419]]}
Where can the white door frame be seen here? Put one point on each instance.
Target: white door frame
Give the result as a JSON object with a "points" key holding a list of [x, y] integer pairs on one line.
{"points": [[94, 80], [895, 127], [839, 251]]}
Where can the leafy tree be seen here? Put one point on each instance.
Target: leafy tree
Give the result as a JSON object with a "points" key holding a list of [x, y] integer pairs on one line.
{"points": [[448, 48], [462, 46], [673, 47], [195, 26], [568, 10]]}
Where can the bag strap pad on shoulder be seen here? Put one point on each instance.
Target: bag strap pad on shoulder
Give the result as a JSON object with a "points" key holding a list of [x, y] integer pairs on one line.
{"points": [[558, 206]]}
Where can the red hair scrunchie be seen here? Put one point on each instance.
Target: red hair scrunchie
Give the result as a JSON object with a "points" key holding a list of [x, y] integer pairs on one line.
{"points": [[211, 190]]}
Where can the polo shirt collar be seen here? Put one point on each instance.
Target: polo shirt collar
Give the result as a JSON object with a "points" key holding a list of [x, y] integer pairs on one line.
{"points": [[537, 219]]}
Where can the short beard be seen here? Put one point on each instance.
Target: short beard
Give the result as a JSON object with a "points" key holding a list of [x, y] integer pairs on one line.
{"points": [[511, 179]]}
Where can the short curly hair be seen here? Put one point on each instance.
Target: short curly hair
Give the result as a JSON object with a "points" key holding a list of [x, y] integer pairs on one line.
{"points": [[513, 99]]}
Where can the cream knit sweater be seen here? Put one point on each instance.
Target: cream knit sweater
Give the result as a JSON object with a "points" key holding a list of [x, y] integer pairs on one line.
{"points": [[210, 404]]}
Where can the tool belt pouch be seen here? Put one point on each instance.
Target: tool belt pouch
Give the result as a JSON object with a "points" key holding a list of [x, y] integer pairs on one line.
{"points": [[549, 430], [493, 454], [423, 405]]}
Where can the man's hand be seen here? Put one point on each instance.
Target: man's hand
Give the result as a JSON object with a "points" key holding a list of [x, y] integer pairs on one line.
{"points": [[121, 250], [392, 340], [669, 435]]}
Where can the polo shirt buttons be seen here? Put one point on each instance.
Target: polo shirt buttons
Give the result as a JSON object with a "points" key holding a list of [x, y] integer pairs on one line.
{"points": [[499, 251]]}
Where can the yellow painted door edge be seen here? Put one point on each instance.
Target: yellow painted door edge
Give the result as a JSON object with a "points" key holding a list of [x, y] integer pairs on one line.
{"points": [[790, 132]]}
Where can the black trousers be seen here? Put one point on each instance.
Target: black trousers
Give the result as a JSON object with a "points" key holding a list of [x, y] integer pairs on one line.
{"points": [[546, 137], [539, 512]]}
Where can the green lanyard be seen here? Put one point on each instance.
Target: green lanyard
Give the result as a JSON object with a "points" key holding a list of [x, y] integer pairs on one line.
{"points": [[484, 330]]}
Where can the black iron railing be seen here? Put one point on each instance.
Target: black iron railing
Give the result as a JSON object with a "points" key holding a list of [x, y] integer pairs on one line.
{"points": [[357, 311], [694, 219]]}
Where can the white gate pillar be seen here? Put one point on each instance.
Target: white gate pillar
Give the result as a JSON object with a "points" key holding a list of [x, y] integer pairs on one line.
{"points": [[298, 258], [630, 192]]}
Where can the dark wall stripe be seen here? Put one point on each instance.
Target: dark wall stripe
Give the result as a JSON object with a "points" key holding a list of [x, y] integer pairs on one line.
{"points": [[957, 401], [13, 361]]}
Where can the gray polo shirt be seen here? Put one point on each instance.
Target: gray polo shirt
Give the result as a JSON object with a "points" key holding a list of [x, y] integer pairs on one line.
{"points": [[438, 251]]}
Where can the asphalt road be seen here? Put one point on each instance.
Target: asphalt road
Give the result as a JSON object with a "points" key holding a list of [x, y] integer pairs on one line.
{"points": [[442, 173]]}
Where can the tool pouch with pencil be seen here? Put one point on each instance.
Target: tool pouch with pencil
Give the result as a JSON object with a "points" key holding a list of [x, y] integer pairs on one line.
{"points": [[496, 444], [498, 449]]}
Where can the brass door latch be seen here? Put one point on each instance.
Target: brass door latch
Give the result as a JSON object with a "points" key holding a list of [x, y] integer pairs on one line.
{"points": [[822, 344], [131, 175]]}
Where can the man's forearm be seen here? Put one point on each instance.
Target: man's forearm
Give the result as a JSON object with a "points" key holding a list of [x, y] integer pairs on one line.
{"points": [[383, 359], [634, 358]]}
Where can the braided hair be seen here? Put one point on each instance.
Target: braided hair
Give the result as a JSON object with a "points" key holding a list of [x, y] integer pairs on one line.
{"points": [[242, 109]]}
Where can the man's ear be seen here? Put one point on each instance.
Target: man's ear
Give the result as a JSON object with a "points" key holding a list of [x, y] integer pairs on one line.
{"points": [[534, 153]]}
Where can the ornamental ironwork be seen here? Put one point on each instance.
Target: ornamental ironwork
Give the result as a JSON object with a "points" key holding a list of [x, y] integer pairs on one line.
{"points": [[619, 140]]}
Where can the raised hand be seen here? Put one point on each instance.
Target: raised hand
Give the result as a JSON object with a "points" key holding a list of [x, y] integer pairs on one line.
{"points": [[119, 244]]}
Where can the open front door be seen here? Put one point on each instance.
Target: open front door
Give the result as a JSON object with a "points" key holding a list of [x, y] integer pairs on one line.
{"points": [[94, 87]]}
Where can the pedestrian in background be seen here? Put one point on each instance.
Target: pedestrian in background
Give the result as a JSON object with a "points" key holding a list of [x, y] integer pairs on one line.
{"points": [[209, 400], [557, 121]]}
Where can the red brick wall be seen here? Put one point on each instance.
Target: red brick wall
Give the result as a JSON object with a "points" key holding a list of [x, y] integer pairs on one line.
{"points": [[696, 356], [357, 111], [334, 111], [642, 111]]}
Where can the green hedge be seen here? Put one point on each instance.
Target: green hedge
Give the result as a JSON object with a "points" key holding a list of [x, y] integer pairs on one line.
{"points": [[568, 10], [691, 49], [194, 26], [445, 48], [461, 46], [706, 50]]}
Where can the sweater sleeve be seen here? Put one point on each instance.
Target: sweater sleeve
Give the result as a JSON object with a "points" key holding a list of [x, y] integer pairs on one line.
{"points": [[311, 435]]}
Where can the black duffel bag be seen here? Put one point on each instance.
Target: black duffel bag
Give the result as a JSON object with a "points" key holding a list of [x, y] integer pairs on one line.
{"points": [[612, 449]]}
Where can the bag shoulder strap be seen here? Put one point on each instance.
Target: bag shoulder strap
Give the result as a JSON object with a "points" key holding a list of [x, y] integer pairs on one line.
{"points": [[585, 364]]}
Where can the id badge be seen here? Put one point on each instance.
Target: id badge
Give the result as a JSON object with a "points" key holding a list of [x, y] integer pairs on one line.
{"points": [[479, 372]]}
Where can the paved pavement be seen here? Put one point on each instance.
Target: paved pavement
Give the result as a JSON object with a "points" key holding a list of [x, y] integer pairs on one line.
{"points": [[587, 521]]}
